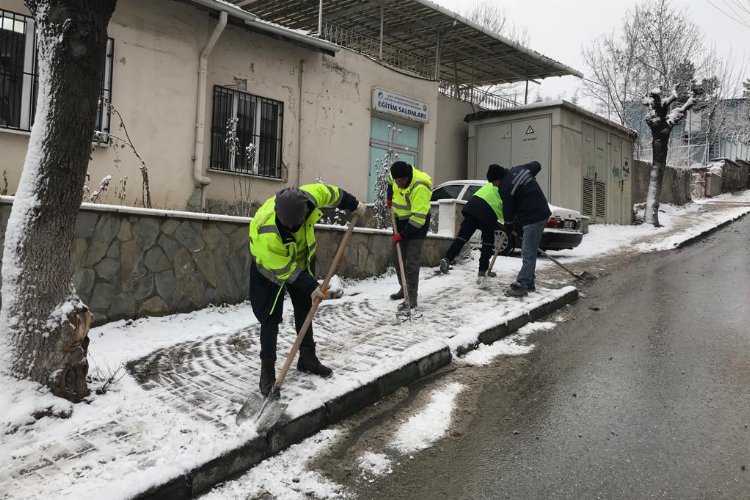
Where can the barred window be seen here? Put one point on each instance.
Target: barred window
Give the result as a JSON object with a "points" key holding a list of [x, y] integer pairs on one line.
{"points": [[246, 133], [19, 74]]}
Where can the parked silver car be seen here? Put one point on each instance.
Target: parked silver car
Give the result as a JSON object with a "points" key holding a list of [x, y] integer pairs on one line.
{"points": [[564, 229]]}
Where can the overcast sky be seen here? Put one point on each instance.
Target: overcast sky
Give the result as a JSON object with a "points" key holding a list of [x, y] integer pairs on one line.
{"points": [[559, 28]]}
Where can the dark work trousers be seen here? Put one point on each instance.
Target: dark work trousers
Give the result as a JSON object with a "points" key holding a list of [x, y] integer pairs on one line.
{"points": [[411, 250], [262, 295], [468, 226]]}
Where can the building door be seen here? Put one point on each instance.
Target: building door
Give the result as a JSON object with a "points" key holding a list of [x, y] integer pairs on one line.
{"points": [[626, 209], [594, 169], [620, 209], [615, 180], [389, 141], [531, 141]]}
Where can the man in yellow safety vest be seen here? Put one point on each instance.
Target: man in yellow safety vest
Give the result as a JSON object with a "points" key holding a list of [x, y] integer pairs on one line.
{"points": [[409, 197], [282, 248], [483, 211]]}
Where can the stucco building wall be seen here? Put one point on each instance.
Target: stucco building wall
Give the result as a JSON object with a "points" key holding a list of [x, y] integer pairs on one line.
{"points": [[157, 45]]}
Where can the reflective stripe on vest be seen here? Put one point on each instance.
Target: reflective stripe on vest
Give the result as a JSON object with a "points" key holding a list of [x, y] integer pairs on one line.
{"points": [[281, 261], [403, 199]]}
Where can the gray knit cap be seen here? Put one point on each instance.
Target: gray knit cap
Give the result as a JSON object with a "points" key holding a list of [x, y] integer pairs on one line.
{"points": [[291, 206]]}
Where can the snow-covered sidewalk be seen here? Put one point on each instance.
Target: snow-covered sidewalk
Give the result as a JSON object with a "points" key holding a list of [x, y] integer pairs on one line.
{"points": [[179, 380]]}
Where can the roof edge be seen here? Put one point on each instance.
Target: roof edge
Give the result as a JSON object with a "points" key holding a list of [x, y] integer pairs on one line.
{"points": [[531, 53], [482, 115], [253, 21]]}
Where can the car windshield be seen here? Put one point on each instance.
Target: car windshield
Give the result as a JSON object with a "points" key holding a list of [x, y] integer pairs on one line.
{"points": [[470, 191], [449, 192]]}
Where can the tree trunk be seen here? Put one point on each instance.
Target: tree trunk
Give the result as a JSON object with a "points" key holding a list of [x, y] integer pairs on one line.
{"points": [[660, 147], [44, 324], [661, 119]]}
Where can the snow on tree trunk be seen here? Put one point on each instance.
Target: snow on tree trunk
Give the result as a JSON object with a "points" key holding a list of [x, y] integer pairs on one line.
{"points": [[44, 324], [661, 119]]}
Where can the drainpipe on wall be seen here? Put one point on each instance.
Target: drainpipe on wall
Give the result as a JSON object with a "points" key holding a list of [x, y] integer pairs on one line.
{"points": [[199, 179], [299, 123]]}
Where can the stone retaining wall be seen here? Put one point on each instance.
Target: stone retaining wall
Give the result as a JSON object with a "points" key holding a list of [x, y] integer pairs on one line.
{"points": [[675, 188], [734, 176], [132, 262]]}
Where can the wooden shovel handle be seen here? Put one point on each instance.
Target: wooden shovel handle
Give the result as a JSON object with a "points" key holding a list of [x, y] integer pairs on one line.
{"points": [[400, 262], [545, 254], [316, 302], [497, 251]]}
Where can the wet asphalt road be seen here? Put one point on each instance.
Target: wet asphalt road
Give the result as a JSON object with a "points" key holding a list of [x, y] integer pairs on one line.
{"points": [[644, 394]]}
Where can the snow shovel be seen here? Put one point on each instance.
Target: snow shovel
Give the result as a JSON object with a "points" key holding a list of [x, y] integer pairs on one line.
{"points": [[499, 246], [266, 411], [584, 276], [405, 313]]}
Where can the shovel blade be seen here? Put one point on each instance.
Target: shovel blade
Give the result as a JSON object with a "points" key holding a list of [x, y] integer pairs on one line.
{"points": [[264, 412], [586, 276]]}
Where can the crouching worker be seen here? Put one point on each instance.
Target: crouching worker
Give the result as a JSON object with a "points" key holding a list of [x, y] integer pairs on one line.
{"points": [[409, 197], [483, 211], [282, 248]]}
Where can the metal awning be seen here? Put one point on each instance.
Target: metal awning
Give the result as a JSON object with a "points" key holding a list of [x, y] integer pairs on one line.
{"points": [[432, 40], [252, 22]]}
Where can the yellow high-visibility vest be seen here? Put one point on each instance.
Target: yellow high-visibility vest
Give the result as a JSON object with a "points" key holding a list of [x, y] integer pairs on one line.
{"points": [[281, 261], [413, 202], [491, 195]]}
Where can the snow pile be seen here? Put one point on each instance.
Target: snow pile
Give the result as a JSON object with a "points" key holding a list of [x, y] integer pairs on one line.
{"points": [[375, 464], [24, 401], [513, 345], [430, 424], [285, 475], [716, 168]]}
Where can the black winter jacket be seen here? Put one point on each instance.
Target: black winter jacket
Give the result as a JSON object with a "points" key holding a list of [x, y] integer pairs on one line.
{"points": [[523, 200], [481, 210]]}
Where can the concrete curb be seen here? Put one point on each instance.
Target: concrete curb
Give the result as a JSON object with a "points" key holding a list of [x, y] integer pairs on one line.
{"points": [[712, 230], [287, 432]]}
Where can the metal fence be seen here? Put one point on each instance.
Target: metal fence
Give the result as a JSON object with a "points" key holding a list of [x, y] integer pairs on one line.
{"points": [[481, 98], [407, 61], [372, 47]]}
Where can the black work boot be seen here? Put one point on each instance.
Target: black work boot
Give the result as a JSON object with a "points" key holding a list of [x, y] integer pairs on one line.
{"points": [[398, 295], [309, 362], [445, 265], [267, 375]]}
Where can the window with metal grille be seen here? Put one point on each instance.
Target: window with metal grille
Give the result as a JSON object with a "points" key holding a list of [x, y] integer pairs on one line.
{"points": [[19, 74], [246, 133]]}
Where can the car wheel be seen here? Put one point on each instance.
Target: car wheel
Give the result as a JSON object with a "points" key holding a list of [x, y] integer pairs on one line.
{"points": [[508, 245]]}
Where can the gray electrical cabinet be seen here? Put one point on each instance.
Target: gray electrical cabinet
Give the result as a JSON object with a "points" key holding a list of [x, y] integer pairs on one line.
{"points": [[586, 159]]}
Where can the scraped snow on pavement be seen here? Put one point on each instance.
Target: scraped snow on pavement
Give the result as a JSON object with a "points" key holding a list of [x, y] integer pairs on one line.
{"points": [[375, 464], [429, 424], [285, 475], [513, 345]]}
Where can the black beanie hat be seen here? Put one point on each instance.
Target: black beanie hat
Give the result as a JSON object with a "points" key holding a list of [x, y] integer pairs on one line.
{"points": [[400, 169], [291, 206], [495, 172]]}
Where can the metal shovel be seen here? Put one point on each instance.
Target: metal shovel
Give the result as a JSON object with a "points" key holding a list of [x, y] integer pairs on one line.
{"points": [[585, 276], [406, 312], [499, 246], [265, 412]]}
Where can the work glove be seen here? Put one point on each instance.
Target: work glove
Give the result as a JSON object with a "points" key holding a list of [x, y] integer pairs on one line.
{"points": [[319, 294], [389, 203], [360, 210], [396, 238]]}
